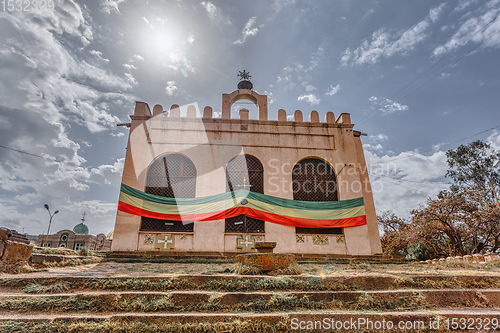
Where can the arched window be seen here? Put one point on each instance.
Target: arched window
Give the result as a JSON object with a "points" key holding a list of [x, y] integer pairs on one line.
{"points": [[171, 176], [245, 172], [314, 180]]}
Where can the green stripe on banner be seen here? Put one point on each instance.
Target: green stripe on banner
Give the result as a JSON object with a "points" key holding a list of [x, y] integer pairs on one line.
{"points": [[285, 203]]}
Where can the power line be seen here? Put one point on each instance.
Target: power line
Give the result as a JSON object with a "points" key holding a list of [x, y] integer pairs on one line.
{"points": [[407, 180], [433, 149], [35, 155], [22, 152], [444, 57], [449, 65], [411, 188], [368, 117]]}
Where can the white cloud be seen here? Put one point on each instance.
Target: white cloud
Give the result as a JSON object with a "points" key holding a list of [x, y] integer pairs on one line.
{"points": [[379, 137], [310, 98], [494, 140], [386, 105], [210, 7], [190, 39], [179, 62], [333, 90], [108, 6], [170, 88], [404, 182], [270, 97], [463, 4], [131, 78], [385, 44], [301, 73], [471, 30], [51, 95], [278, 5], [248, 30], [138, 57], [129, 66], [214, 13], [98, 54]]}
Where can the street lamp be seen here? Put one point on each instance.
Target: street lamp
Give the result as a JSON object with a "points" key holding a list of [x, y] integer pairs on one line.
{"points": [[50, 221], [477, 166]]}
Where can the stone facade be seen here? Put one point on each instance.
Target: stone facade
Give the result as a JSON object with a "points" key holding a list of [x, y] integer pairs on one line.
{"points": [[69, 239], [210, 143]]}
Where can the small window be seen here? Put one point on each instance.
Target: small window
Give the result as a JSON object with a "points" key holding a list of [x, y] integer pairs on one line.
{"points": [[78, 246], [62, 245]]}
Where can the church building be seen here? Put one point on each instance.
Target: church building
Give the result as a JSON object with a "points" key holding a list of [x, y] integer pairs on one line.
{"points": [[194, 184]]}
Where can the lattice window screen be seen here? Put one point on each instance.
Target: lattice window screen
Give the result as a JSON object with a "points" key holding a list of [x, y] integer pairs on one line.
{"points": [[314, 180], [172, 176], [245, 170]]}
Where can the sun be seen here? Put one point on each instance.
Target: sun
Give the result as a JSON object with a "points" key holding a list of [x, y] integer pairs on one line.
{"points": [[160, 39]]}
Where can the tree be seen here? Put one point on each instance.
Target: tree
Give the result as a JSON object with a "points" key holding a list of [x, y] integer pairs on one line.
{"points": [[462, 220], [393, 237], [474, 165]]}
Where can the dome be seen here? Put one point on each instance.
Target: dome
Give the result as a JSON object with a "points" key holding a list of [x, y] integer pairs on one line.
{"points": [[81, 229], [245, 85]]}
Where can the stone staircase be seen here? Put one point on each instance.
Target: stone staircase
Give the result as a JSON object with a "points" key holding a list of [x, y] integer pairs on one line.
{"points": [[231, 303]]}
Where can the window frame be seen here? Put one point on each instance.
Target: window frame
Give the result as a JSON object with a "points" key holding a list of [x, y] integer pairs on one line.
{"points": [[170, 178], [255, 173], [303, 176]]}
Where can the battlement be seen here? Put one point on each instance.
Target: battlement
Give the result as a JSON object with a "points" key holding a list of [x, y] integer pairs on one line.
{"points": [[142, 110]]}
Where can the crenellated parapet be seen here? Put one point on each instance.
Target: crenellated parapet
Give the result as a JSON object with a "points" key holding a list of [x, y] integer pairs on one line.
{"points": [[143, 111]]}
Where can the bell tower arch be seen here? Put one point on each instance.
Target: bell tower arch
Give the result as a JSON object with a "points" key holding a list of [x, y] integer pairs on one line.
{"points": [[244, 91]]}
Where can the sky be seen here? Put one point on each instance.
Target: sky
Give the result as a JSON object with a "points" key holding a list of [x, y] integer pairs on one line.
{"points": [[418, 77]]}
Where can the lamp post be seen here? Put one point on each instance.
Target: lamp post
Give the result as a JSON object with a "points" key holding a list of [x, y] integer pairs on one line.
{"points": [[476, 165], [50, 221]]}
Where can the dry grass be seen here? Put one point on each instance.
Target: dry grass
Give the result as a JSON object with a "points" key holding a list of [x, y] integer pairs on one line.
{"points": [[242, 269], [142, 327], [166, 303], [342, 268]]}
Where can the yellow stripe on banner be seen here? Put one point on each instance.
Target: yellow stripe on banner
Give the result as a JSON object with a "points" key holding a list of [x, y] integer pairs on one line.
{"points": [[307, 214], [255, 204], [174, 209]]}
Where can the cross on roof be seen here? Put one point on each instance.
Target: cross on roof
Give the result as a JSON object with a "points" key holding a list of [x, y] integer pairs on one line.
{"points": [[244, 75]]}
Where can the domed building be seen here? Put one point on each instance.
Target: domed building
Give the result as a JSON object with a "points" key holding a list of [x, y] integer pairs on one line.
{"points": [[81, 229], [76, 239]]}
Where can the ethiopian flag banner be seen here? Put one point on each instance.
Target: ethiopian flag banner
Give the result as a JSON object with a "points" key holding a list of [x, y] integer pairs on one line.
{"points": [[307, 214]]}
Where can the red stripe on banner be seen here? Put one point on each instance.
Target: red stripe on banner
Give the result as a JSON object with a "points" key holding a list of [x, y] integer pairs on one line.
{"points": [[250, 212], [305, 223]]}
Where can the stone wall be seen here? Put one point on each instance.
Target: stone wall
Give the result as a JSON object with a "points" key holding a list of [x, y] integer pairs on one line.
{"points": [[13, 254]]}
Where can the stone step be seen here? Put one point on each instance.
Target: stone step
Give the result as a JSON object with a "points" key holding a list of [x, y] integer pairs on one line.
{"points": [[456, 320], [231, 282], [204, 301]]}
